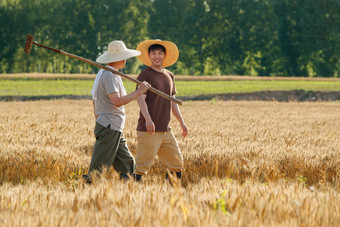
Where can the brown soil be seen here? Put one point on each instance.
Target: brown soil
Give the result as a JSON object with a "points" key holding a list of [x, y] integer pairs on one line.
{"points": [[281, 96]]}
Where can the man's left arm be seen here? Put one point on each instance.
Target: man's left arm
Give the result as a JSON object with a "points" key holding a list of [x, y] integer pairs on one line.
{"points": [[94, 109], [177, 113]]}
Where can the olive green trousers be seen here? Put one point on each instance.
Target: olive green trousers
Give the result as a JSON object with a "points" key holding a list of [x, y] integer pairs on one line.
{"points": [[109, 150]]}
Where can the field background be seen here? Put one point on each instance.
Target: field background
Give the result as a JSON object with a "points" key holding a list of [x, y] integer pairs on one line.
{"points": [[188, 87], [246, 164]]}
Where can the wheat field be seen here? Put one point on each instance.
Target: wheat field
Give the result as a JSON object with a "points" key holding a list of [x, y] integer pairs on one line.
{"points": [[246, 164]]}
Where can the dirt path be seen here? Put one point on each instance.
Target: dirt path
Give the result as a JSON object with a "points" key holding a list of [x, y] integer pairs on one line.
{"points": [[281, 96]]}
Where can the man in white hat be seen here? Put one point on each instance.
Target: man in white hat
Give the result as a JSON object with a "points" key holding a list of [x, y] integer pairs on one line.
{"points": [[154, 132], [109, 97]]}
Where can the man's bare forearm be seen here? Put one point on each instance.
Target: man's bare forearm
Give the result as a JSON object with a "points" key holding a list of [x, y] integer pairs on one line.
{"points": [[177, 113], [123, 100], [143, 107], [94, 109]]}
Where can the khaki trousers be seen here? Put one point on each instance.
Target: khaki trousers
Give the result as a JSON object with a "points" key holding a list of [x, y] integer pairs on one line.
{"points": [[164, 145]]}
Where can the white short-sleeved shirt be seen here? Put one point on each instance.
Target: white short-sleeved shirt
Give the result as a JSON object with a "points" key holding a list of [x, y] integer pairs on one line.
{"points": [[109, 114]]}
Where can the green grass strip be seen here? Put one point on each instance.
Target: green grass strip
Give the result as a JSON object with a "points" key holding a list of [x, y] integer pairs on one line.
{"points": [[23, 87], [194, 88]]}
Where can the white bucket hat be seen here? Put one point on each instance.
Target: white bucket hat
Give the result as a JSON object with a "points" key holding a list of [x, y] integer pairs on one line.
{"points": [[117, 51]]}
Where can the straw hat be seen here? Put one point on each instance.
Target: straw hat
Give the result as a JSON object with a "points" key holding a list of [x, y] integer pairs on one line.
{"points": [[116, 51], [170, 47]]}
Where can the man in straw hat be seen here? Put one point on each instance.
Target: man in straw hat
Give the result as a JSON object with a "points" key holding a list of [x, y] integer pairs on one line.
{"points": [[154, 135], [109, 97]]}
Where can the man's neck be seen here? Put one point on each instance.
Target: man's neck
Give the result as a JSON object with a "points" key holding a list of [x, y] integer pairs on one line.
{"points": [[157, 68], [114, 65]]}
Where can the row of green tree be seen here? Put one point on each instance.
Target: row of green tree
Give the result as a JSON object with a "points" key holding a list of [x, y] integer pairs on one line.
{"points": [[214, 37]]}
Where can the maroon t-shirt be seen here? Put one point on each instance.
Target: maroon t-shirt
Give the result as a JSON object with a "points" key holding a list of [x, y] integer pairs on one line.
{"points": [[159, 107]]}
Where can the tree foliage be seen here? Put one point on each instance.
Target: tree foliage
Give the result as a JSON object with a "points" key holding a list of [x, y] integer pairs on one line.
{"points": [[224, 37]]}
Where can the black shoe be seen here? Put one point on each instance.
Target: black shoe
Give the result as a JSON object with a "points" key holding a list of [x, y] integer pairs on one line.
{"points": [[178, 175], [124, 176], [137, 177], [87, 179]]}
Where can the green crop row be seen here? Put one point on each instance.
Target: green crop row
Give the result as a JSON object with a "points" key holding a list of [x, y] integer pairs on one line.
{"points": [[23, 87]]}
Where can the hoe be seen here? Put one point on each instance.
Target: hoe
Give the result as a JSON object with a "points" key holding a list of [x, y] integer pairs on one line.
{"points": [[30, 42]]}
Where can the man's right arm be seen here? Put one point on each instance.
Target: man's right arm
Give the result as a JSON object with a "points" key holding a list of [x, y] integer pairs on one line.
{"points": [[150, 126], [123, 100]]}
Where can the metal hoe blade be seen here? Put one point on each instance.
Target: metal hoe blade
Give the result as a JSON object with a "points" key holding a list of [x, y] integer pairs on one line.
{"points": [[28, 44]]}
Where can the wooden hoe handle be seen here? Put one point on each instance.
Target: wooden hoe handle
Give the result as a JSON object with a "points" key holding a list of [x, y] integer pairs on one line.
{"points": [[28, 47]]}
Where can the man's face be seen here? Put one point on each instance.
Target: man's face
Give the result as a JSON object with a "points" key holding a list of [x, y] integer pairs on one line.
{"points": [[157, 56]]}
